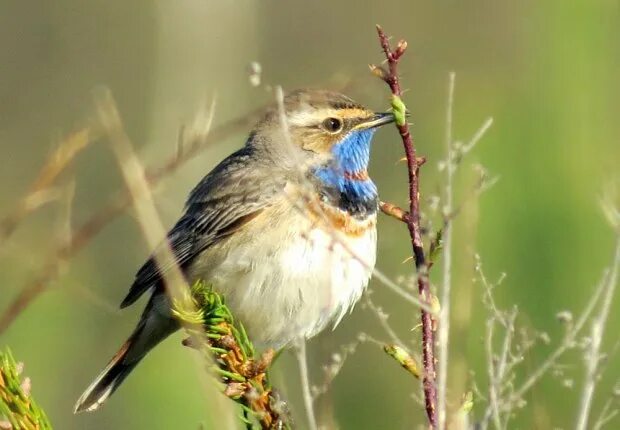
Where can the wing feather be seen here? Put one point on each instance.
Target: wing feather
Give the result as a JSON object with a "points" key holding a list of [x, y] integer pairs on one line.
{"points": [[228, 198]]}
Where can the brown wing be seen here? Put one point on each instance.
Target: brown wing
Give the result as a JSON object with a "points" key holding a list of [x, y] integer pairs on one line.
{"points": [[229, 197]]}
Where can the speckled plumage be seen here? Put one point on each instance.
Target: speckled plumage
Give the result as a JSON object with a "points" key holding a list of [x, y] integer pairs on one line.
{"points": [[284, 228]]}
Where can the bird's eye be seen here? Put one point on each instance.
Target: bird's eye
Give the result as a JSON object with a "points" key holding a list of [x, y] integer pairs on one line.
{"points": [[333, 125]]}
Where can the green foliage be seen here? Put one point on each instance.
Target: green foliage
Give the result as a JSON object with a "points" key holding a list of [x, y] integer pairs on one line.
{"points": [[403, 358], [399, 109], [214, 332], [18, 411]]}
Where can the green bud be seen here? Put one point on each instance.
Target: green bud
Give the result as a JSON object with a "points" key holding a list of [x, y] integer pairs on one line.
{"points": [[403, 358], [399, 109]]}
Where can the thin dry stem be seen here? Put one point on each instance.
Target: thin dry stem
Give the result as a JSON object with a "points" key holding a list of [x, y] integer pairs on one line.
{"points": [[142, 200], [593, 354], [566, 344], [607, 413], [444, 314], [498, 373], [394, 211], [503, 395], [144, 206], [383, 322], [304, 378], [337, 361]]}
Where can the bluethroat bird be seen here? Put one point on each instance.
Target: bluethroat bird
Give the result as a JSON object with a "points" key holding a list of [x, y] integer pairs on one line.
{"points": [[284, 229]]}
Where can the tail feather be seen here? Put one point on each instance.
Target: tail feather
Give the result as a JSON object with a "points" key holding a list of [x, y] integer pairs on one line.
{"points": [[107, 382], [152, 329]]}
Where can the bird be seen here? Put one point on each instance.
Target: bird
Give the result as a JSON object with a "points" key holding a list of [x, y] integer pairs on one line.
{"points": [[284, 229]]}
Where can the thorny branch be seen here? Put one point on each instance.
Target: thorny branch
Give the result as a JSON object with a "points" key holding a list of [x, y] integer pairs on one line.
{"points": [[412, 219]]}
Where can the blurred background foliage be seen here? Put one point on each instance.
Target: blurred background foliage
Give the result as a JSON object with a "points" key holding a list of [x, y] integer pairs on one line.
{"points": [[546, 71]]}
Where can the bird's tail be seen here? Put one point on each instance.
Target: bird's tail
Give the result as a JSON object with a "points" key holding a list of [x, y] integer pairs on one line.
{"points": [[152, 329]]}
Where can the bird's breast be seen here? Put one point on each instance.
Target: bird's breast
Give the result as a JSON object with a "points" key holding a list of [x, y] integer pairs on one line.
{"points": [[293, 270]]}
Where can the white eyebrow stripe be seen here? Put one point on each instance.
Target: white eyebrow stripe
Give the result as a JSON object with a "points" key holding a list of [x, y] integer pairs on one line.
{"points": [[309, 116]]}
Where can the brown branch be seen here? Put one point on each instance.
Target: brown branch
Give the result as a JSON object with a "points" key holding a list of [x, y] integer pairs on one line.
{"points": [[412, 219], [115, 206], [394, 211]]}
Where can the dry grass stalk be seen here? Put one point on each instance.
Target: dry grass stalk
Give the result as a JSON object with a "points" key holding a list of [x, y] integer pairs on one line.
{"points": [[41, 191], [118, 204], [245, 376]]}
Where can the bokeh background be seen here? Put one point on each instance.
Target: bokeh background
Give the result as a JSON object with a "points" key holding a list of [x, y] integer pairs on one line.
{"points": [[547, 72]]}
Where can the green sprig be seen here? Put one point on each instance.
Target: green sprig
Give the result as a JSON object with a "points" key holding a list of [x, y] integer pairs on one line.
{"points": [[399, 109], [16, 404], [218, 335]]}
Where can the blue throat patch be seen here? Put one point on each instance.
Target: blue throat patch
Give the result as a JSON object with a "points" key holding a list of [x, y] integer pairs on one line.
{"points": [[350, 158]]}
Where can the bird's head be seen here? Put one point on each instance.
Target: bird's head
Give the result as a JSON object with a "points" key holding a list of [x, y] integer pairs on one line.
{"points": [[324, 133]]}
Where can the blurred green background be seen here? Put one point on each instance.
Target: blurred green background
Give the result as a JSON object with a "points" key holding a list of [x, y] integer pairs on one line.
{"points": [[547, 72]]}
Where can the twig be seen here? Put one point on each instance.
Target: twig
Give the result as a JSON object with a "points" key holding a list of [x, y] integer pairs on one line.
{"points": [[498, 368], [444, 314], [393, 211], [391, 78], [386, 281], [493, 409], [337, 361], [463, 150], [497, 374], [607, 414], [568, 342], [593, 355], [302, 361], [141, 196]]}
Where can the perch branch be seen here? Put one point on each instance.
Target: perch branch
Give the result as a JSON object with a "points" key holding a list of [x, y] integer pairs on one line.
{"points": [[412, 220]]}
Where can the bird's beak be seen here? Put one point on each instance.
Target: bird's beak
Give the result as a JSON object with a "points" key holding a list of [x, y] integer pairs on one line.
{"points": [[376, 120]]}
